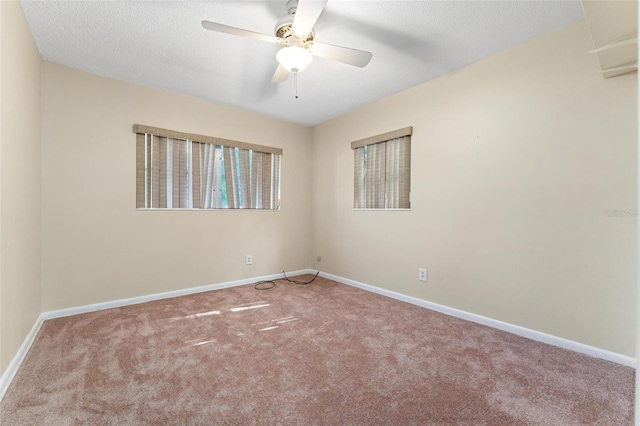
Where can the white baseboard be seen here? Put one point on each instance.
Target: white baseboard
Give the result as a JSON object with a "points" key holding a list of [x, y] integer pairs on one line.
{"points": [[511, 328], [15, 363], [13, 367], [158, 296]]}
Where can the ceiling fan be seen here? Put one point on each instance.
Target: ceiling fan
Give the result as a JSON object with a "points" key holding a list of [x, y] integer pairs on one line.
{"points": [[296, 35]]}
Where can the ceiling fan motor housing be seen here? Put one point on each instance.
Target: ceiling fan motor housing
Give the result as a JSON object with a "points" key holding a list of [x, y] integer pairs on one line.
{"points": [[283, 28]]}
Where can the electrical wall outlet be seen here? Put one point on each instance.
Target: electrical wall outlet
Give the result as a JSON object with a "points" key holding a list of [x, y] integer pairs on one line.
{"points": [[248, 260], [422, 274]]}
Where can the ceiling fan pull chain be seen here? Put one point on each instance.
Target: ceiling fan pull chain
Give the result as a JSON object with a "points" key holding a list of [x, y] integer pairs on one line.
{"points": [[295, 83]]}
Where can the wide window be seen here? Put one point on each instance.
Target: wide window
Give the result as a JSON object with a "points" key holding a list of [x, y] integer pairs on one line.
{"points": [[185, 171], [382, 171]]}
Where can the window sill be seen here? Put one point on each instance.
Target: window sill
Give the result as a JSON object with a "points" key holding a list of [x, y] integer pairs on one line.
{"points": [[382, 210], [206, 210]]}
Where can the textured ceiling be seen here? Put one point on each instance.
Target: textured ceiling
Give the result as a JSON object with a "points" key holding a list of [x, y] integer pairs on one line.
{"points": [[162, 44]]}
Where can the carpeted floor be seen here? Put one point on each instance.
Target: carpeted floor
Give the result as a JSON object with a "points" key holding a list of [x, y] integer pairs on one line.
{"points": [[321, 354]]}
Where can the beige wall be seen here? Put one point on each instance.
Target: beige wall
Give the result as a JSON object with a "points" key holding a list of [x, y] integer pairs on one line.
{"points": [[97, 247], [20, 184], [515, 160]]}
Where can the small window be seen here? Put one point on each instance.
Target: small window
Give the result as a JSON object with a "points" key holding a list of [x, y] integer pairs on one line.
{"points": [[184, 171], [382, 171]]}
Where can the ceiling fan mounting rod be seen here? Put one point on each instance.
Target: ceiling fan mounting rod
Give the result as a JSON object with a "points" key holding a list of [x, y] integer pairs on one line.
{"points": [[292, 6]]}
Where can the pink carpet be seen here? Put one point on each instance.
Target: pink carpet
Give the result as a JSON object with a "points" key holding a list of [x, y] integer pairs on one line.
{"points": [[321, 354]]}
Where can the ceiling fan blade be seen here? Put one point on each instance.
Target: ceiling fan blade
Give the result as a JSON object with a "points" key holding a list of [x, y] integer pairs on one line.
{"points": [[307, 13], [214, 26], [281, 75], [346, 55]]}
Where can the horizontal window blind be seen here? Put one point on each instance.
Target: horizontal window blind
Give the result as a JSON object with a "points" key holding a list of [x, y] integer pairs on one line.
{"points": [[173, 171], [405, 131], [157, 131], [164, 184], [382, 171]]}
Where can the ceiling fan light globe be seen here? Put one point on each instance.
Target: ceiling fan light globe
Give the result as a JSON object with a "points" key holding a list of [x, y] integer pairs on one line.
{"points": [[294, 58]]}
